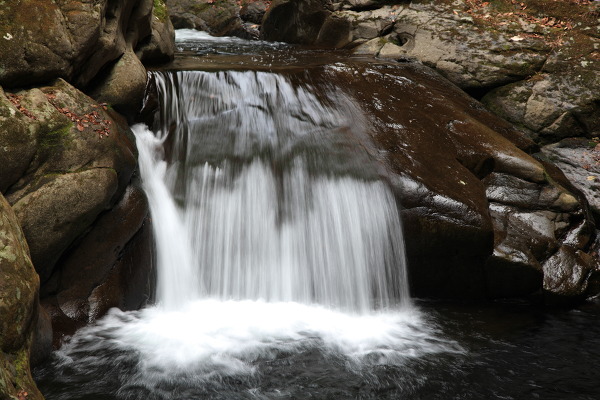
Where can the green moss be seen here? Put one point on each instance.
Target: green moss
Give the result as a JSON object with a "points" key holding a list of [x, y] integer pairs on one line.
{"points": [[57, 137], [160, 10], [21, 365], [200, 7]]}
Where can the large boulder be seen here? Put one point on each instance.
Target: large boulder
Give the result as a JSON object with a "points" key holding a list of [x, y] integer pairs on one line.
{"points": [[19, 306], [81, 163], [160, 46], [71, 193], [482, 217], [77, 40]]}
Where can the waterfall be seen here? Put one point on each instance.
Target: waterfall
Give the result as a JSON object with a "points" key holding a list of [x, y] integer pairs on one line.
{"points": [[252, 196], [279, 250]]}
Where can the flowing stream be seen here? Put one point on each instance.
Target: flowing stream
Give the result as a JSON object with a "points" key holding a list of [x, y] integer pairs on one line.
{"points": [[281, 269]]}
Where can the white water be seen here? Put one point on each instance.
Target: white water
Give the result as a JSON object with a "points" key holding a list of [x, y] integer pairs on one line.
{"points": [[266, 244]]}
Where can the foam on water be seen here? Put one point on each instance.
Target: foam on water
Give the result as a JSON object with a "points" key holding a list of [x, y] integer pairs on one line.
{"points": [[211, 338], [182, 35]]}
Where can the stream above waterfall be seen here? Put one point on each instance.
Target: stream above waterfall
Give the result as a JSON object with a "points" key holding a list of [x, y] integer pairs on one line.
{"points": [[281, 260]]}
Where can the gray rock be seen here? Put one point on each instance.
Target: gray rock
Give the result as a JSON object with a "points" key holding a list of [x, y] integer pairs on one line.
{"points": [[552, 107], [125, 84], [579, 160]]}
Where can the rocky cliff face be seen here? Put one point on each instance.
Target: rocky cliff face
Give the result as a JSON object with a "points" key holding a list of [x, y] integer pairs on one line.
{"points": [[67, 165]]}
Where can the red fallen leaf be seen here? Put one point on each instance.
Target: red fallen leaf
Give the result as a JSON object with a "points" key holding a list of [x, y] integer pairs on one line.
{"points": [[80, 127]]}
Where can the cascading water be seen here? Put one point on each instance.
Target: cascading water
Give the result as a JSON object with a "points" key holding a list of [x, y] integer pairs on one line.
{"points": [[278, 247], [258, 216]]}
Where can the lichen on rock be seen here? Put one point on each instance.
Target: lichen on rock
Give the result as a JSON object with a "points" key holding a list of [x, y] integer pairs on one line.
{"points": [[19, 305]]}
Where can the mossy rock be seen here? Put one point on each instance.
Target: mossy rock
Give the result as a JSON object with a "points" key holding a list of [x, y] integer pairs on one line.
{"points": [[80, 160], [18, 307]]}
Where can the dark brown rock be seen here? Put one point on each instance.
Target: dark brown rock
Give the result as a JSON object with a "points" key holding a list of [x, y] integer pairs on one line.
{"points": [[97, 255], [42, 343], [253, 11], [481, 216], [566, 275], [308, 16]]}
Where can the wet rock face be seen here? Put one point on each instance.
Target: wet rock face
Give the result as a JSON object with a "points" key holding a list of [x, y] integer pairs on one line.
{"points": [[579, 160], [18, 307], [482, 217], [76, 40]]}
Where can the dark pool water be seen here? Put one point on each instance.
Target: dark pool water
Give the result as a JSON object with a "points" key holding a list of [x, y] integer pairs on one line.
{"points": [[508, 352]]}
